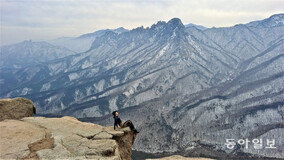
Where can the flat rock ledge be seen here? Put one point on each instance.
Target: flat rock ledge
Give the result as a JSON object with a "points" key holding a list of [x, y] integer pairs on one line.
{"points": [[63, 138]]}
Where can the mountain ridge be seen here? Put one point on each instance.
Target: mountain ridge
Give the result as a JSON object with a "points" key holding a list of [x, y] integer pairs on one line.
{"points": [[174, 78]]}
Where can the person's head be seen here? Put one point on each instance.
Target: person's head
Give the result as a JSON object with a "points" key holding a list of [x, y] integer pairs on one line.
{"points": [[114, 114]]}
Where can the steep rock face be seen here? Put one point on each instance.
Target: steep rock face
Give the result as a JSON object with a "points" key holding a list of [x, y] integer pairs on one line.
{"points": [[16, 108], [62, 138]]}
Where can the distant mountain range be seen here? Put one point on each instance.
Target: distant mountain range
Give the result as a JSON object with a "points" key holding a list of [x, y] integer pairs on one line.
{"points": [[83, 43], [196, 26], [188, 88], [28, 53]]}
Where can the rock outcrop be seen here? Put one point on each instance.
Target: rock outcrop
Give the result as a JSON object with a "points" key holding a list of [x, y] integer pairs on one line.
{"points": [[177, 157], [16, 108], [62, 138]]}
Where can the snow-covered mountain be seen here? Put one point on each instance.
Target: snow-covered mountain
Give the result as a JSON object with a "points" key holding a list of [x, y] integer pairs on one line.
{"points": [[29, 53], [82, 43], [187, 89], [272, 21], [19, 62], [196, 26]]}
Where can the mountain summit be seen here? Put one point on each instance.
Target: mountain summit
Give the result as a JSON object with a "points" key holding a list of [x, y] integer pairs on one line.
{"points": [[175, 22]]}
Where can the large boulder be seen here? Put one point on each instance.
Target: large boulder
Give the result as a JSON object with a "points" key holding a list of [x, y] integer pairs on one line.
{"points": [[63, 138], [16, 108]]}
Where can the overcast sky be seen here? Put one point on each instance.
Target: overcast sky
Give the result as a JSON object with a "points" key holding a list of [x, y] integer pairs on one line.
{"points": [[49, 19]]}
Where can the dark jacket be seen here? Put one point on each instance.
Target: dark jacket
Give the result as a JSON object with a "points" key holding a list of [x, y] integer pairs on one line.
{"points": [[117, 121]]}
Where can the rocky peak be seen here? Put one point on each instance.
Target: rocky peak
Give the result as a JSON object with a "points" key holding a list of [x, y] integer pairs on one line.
{"points": [[138, 29], [168, 31], [278, 18], [175, 23], [107, 38], [172, 24], [120, 30]]}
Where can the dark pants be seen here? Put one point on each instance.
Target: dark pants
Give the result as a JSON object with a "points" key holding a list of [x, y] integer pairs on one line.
{"points": [[128, 123]]}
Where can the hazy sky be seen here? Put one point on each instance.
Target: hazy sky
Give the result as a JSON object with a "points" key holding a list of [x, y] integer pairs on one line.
{"points": [[48, 19]]}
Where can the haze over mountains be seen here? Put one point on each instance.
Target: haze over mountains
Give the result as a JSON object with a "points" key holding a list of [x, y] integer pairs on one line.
{"points": [[83, 43], [187, 88]]}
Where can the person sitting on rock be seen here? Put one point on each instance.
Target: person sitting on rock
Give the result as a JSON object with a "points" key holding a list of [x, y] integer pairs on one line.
{"points": [[119, 123]]}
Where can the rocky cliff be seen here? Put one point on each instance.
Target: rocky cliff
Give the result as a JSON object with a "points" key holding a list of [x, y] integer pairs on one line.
{"points": [[61, 138]]}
